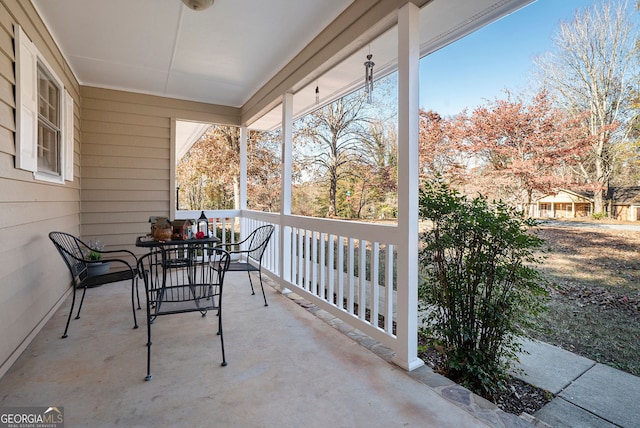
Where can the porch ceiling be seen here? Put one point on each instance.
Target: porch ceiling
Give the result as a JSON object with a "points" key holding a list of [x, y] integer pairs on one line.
{"points": [[225, 54]]}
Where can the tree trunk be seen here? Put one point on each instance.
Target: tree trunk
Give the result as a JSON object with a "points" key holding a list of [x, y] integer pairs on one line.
{"points": [[332, 197], [236, 193], [598, 202]]}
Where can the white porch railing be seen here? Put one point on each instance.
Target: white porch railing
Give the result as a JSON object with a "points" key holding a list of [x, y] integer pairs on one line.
{"points": [[346, 268]]}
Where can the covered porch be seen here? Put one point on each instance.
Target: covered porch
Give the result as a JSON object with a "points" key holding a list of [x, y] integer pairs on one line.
{"points": [[119, 157]]}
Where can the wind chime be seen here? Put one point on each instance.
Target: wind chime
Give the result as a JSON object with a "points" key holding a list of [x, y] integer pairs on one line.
{"points": [[317, 93], [368, 78]]}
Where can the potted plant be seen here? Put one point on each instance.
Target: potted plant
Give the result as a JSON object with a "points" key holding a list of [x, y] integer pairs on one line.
{"points": [[97, 267]]}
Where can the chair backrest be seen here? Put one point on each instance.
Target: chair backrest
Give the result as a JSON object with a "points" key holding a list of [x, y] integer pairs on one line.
{"points": [[259, 240], [71, 250], [174, 287]]}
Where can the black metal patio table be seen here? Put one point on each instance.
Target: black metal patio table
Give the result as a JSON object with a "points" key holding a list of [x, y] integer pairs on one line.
{"points": [[148, 242], [180, 253], [179, 259]]}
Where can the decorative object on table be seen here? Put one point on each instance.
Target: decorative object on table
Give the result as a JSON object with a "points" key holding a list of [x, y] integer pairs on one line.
{"points": [[162, 229], [182, 229], [203, 226], [74, 252], [153, 220]]}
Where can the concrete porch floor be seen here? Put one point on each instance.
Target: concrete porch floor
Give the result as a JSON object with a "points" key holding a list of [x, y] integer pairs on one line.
{"points": [[286, 368]]}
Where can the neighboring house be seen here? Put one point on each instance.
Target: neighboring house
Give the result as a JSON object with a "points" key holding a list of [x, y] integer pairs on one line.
{"points": [[564, 204], [623, 204]]}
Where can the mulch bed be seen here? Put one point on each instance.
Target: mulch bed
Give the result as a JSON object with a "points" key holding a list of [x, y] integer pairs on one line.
{"points": [[518, 396]]}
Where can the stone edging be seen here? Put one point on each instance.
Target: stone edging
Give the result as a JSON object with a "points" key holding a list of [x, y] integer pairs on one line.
{"points": [[462, 397]]}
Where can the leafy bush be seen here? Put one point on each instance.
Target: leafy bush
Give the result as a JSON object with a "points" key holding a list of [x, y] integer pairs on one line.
{"points": [[478, 287], [226, 233], [599, 216]]}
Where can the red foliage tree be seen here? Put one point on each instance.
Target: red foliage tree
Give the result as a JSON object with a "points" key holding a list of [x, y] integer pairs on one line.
{"points": [[440, 152], [209, 174], [524, 147]]}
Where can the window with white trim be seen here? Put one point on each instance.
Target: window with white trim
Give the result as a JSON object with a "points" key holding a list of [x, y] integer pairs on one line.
{"points": [[48, 124], [44, 116]]}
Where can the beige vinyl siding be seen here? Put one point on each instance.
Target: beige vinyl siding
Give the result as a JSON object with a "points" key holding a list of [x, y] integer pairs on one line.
{"points": [[126, 159], [33, 279], [122, 175]]}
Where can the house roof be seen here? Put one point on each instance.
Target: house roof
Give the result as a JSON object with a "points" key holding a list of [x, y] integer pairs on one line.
{"points": [[225, 54], [621, 195], [586, 194], [625, 195], [564, 195]]}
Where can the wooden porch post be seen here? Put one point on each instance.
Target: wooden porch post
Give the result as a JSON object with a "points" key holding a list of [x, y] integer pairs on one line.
{"points": [[408, 99], [285, 191]]}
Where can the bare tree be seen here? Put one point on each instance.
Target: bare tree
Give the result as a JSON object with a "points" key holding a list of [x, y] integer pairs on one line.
{"points": [[332, 136], [590, 70], [375, 178]]}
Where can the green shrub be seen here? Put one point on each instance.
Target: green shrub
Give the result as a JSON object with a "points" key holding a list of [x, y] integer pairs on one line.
{"points": [[225, 233], [478, 289], [599, 216]]}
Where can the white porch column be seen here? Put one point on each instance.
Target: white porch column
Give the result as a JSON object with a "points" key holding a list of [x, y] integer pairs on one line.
{"points": [[408, 99], [285, 191], [244, 135]]}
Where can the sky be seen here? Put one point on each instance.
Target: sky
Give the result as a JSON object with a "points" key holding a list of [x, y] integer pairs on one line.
{"points": [[481, 66]]}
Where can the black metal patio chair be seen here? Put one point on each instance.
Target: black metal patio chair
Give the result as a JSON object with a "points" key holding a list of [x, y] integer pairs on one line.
{"points": [[182, 279], [75, 252], [251, 250]]}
